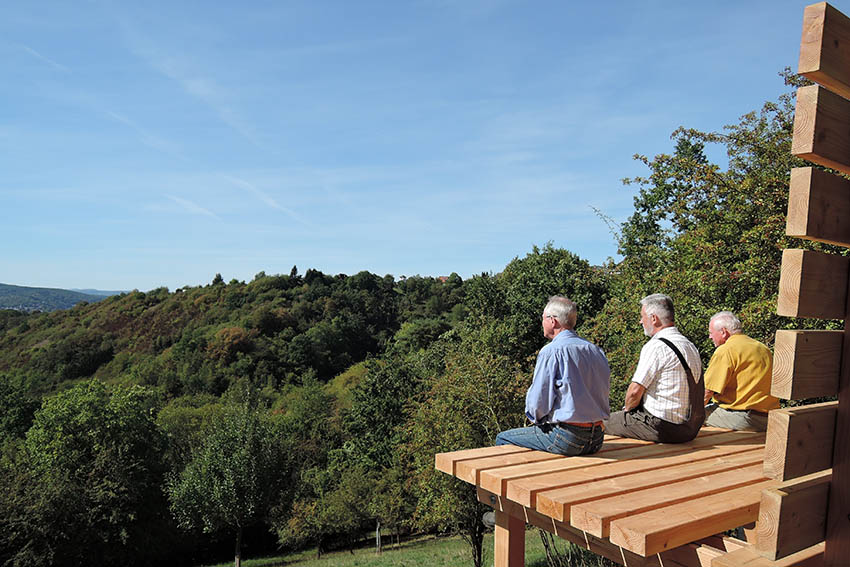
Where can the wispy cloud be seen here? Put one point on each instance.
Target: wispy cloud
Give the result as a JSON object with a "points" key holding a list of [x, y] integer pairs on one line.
{"points": [[45, 59], [263, 196], [147, 138], [193, 208]]}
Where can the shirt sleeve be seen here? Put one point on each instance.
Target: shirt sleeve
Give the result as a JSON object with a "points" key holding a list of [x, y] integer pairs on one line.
{"points": [[540, 398], [717, 373], [649, 365]]}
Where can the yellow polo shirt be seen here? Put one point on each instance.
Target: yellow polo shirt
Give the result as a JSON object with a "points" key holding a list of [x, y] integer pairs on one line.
{"points": [[739, 372]]}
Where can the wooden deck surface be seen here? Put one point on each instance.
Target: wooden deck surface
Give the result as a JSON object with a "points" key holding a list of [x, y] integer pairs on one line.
{"points": [[644, 497]]}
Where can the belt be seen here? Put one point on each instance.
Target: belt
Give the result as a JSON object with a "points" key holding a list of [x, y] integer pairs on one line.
{"points": [[587, 425]]}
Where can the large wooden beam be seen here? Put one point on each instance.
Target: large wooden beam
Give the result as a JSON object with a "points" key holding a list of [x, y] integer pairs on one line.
{"points": [[559, 502], [818, 206], [792, 516], [838, 519], [822, 128], [812, 284], [806, 364], [825, 48], [799, 440], [665, 528], [596, 516]]}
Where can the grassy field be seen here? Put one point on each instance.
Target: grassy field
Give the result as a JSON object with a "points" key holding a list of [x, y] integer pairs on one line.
{"points": [[426, 551]]}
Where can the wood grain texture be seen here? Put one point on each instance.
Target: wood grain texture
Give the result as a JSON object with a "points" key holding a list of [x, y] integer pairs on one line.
{"points": [[748, 557], [818, 206], [812, 284], [822, 128], [525, 490], [837, 550], [596, 516], [806, 364], [792, 516], [446, 462], [508, 541], [825, 48], [665, 528], [557, 503], [799, 440]]}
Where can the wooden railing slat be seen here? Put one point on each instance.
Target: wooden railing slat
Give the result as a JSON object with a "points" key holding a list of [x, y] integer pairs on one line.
{"points": [[792, 516], [799, 440], [806, 364], [812, 284], [818, 206], [825, 48]]}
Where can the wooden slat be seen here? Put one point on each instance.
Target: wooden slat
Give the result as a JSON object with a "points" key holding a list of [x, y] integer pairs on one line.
{"points": [[665, 528], [799, 440], [446, 462], [818, 206], [806, 364], [524, 490], [822, 128], [825, 48], [557, 503], [747, 557], [470, 470], [596, 516], [495, 479], [792, 516], [812, 284]]}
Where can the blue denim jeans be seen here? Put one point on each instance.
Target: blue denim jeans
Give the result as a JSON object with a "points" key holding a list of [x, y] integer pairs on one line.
{"points": [[561, 439]]}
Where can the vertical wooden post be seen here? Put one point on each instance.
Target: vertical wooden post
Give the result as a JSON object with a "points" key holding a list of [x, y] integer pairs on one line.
{"points": [[509, 541], [837, 550]]}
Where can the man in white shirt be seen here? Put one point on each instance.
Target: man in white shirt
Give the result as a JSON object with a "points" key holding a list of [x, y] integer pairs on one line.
{"points": [[664, 402]]}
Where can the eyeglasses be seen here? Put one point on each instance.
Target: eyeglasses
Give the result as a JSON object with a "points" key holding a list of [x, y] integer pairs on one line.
{"points": [[549, 316]]}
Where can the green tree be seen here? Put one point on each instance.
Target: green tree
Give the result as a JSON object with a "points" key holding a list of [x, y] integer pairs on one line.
{"points": [[234, 478], [480, 393], [88, 487]]}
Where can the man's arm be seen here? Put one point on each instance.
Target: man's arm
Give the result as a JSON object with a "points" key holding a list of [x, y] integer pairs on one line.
{"points": [[633, 396], [708, 395]]}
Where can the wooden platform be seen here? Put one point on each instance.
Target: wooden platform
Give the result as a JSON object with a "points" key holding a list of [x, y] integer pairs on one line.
{"points": [[630, 501]]}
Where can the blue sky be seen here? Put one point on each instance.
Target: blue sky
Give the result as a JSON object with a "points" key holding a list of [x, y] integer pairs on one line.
{"points": [[147, 144]]}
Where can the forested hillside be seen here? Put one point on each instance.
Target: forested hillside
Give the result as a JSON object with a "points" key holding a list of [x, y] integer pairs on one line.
{"points": [[172, 427]]}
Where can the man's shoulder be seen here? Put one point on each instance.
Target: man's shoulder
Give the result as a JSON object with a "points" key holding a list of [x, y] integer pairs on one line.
{"points": [[570, 340], [742, 342]]}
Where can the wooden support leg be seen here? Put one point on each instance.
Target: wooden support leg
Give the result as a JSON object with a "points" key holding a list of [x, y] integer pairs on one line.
{"points": [[509, 541]]}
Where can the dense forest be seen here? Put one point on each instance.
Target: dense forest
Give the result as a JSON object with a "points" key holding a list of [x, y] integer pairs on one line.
{"points": [[304, 410]]}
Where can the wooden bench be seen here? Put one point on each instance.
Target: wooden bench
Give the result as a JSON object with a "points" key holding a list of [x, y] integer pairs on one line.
{"points": [[633, 501], [655, 504]]}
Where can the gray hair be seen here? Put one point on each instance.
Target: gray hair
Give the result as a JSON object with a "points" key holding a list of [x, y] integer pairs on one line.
{"points": [[726, 320], [562, 309], [659, 305]]}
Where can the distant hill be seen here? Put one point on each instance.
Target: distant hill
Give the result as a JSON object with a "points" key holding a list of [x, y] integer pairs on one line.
{"points": [[41, 298], [99, 292]]}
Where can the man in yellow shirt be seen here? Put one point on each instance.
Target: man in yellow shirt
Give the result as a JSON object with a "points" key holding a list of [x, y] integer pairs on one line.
{"points": [[738, 377]]}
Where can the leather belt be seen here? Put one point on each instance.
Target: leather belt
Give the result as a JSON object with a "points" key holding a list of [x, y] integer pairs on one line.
{"points": [[588, 424]]}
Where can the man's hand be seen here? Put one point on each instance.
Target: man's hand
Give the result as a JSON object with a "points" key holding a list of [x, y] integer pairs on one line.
{"points": [[633, 396]]}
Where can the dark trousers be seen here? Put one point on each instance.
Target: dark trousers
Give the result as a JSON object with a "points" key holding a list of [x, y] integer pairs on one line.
{"points": [[640, 424]]}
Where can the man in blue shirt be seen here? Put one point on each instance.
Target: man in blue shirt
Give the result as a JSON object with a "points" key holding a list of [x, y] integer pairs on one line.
{"points": [[568, 397]]}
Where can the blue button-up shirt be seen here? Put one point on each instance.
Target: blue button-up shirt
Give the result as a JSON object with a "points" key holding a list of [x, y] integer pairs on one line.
{"points": [[571, 382]]}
